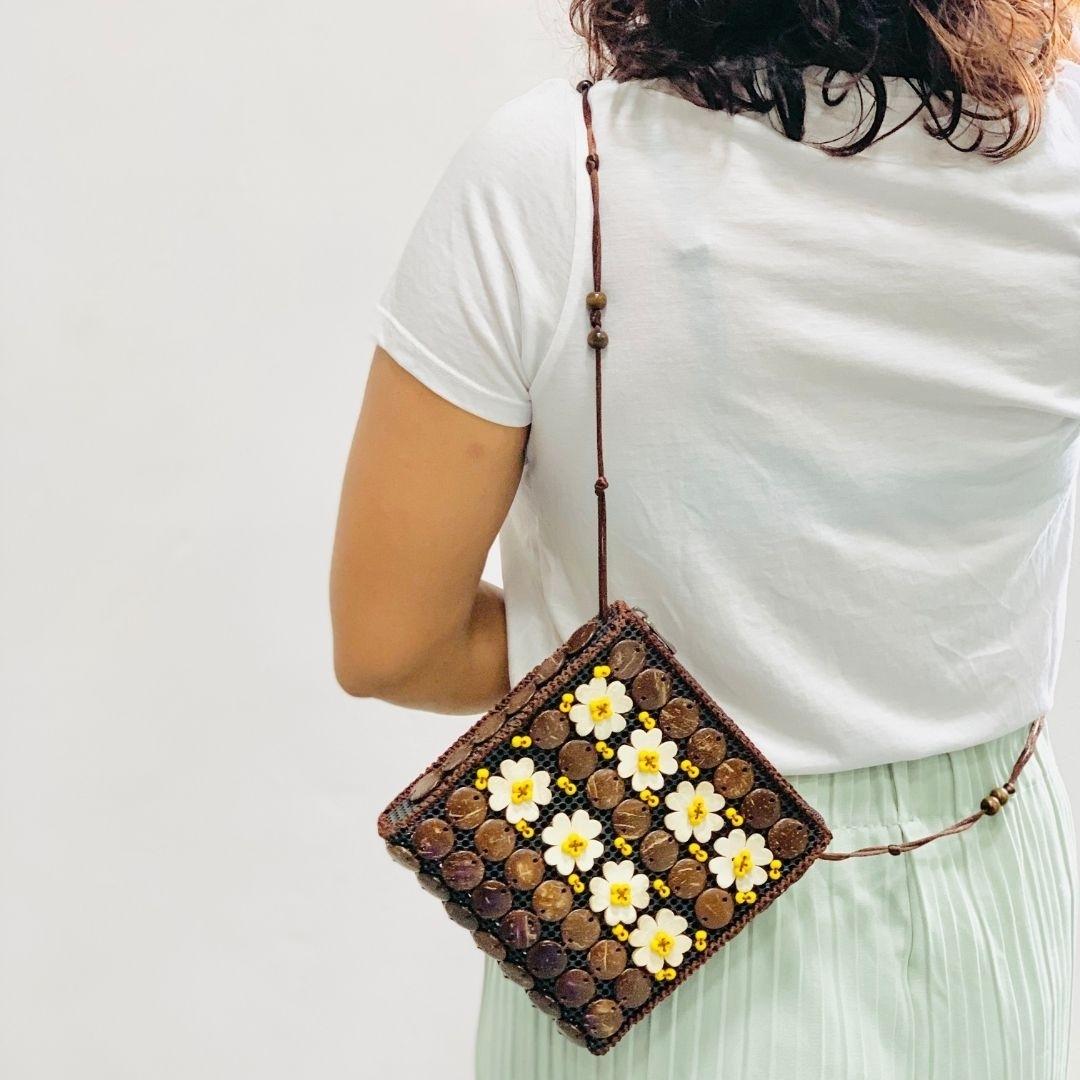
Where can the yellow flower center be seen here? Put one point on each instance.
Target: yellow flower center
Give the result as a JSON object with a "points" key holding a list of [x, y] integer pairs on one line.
{"points": [[697, 811], [648, 761], [662, 944], [742, 863], [600, 709], [521, 791], [620, 894], [574, 844]]}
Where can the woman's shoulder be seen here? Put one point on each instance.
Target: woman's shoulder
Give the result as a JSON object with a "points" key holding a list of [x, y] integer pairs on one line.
{"points": [[528, 132], [542, 102]]}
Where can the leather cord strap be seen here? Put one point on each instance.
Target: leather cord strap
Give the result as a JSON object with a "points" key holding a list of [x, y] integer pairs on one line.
{"points": [[991, 804], [596, 302]]}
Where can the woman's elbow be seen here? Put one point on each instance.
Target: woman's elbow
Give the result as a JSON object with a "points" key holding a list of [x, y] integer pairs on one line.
{"points": [[367, 667], [353, 678]]}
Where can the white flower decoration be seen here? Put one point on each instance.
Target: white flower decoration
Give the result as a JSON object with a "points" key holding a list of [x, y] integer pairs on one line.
{"points": [[659, 942], [740, 859], [619, 893], [601, 708], [572, 842], [646, 760], [520, 791], [693, 811]]}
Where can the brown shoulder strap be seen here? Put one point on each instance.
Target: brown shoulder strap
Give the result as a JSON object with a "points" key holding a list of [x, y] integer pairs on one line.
{"points": [[990, 804], [596, 302]]}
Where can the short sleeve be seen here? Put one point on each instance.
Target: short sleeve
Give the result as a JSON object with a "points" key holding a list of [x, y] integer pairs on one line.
{"points": [[474, 302]]}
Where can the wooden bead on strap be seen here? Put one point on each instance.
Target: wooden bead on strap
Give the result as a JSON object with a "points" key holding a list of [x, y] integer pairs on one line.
{"points": [[998, 798], [598, 339]]}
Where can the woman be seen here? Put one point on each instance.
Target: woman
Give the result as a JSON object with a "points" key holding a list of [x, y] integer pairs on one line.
{"points": [[842, 400]]}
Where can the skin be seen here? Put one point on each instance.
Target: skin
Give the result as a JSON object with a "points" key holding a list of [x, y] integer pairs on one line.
{"points": [[427, 487]]}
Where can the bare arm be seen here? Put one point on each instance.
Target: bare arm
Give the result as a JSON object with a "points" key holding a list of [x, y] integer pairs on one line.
{"points": [[426, 489]]}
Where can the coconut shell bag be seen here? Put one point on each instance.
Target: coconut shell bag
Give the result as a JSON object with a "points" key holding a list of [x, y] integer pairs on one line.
{"points": [[606, 827]]}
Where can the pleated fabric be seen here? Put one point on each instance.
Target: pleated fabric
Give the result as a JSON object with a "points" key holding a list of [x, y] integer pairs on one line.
{"points": [[951, 962]]}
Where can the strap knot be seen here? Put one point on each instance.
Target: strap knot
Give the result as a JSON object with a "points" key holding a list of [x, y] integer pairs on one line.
{"points": [[584, 85], [592, 163], [600, 485], [894, 849]]}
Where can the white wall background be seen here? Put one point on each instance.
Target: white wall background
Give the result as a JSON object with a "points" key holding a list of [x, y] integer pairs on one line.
{"points": [[198, 206]]}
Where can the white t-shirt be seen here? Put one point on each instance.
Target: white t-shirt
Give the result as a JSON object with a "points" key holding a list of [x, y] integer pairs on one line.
{"points": [[842, 400]]}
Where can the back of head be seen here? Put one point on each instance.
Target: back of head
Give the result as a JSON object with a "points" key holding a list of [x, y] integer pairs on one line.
{"points": [[981, 69]]}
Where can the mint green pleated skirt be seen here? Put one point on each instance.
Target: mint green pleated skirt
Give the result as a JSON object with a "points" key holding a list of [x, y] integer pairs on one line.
{"points": [[953, 962]]}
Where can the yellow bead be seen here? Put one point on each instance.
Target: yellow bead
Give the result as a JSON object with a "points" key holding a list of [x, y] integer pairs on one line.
{"points": [[694, 848], [648, 723], [701, 935], [659, 976], [643, 716], [701, 856], [483, 774], [693, 772], [526, 741], [571, 788], [776, 864], [736, 819], [565, 706], [601, 671], [774, 874], [568, 698], [480, 783]]}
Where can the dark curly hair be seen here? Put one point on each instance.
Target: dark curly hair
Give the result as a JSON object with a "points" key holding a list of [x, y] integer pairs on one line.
{"points": [[750, 55]]}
